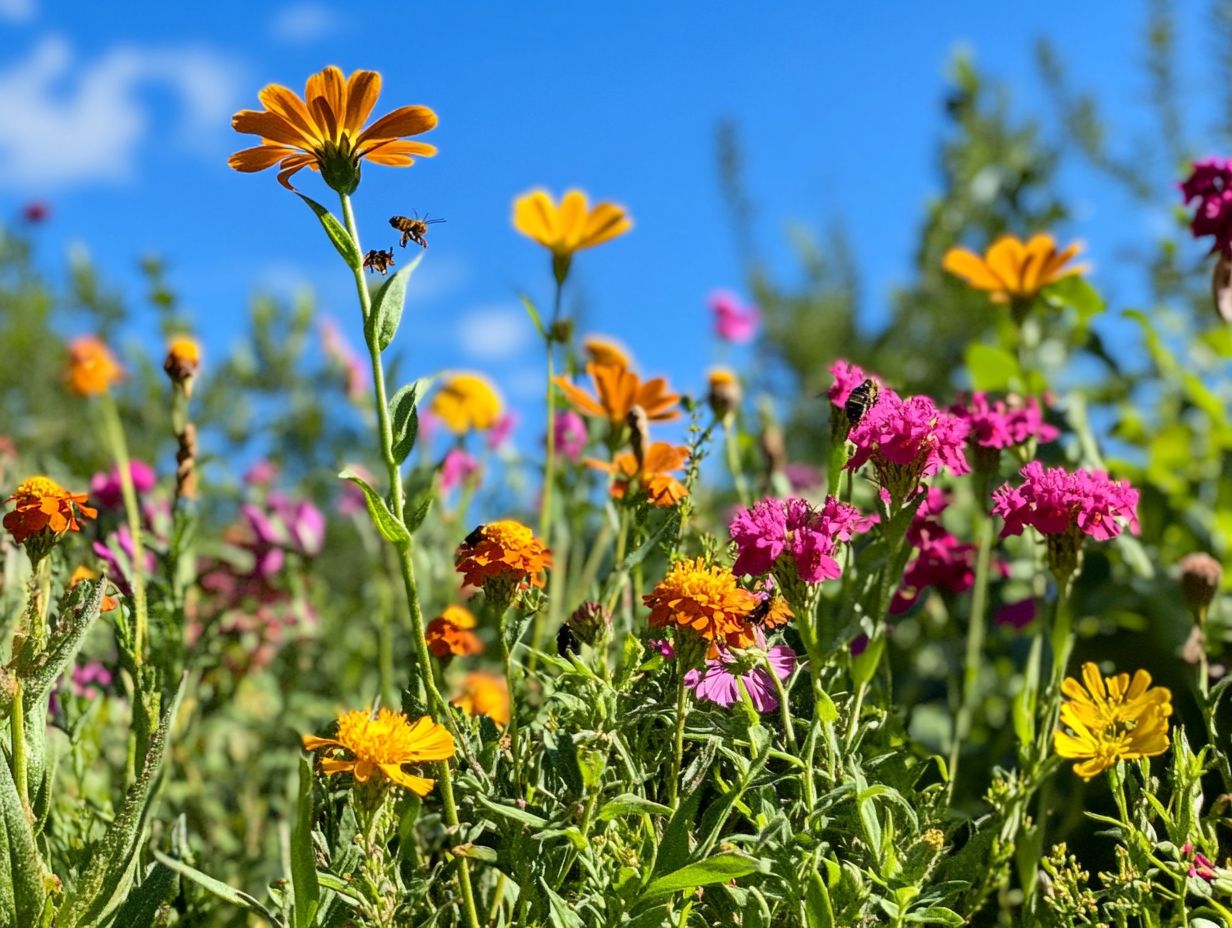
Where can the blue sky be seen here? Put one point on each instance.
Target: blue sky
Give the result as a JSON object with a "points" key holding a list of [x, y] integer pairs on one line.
{"points": [[120, 119]]}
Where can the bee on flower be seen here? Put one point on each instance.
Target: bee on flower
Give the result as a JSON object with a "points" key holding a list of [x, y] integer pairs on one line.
{"points": [[502, 558], [378, 746]]}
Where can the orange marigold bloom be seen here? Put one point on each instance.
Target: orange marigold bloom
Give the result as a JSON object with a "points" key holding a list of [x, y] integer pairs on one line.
{"points": [[85, 573], [41, 504], [654, 478], [773, 612], [503, 552], [706, 599], [572, 225], [183, 358], [1012, 270], [325, 130], [484, 694], [605, 351], [379, 745], [617, 391], [92, 368], [466, 401], [449, 633]]}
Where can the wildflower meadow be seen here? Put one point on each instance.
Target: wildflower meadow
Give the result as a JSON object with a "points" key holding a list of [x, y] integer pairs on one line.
{"points": [[921, 628]]}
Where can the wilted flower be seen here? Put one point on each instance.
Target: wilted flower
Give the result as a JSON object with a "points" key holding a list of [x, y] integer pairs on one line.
{"points": [[484, 694], [617, 391], [449, 634], [1201, 576], [106, 488], [590, 622], [654, 478], [379, 746], [570, 434], [707, 600], [1013, 270], [43, 511], [325, 130], [1210, 183], [502, 557], [467, 401], [457, 468], [734, 321], [1110, 719], [92, 369], [719, 680]]}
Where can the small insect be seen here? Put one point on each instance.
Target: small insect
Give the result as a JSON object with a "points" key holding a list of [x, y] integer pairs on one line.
{"points": [[567, 642], [380, 261], [760, 612], [413, 228], [860, 401], [474, 537]]}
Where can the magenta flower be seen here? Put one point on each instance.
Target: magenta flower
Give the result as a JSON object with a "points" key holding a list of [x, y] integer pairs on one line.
{"points": [[1017, 615], [287, 524], [663, 646], [802, 477], [847, 377], [84, 675], [457, 468], [999, 425], [717, 681], [1210, 184], [734, 321], [499, 434], [261, 474], [1200, 865], [570, 434], [941, 562], [117, 552], [105, 488], [907, 440]]}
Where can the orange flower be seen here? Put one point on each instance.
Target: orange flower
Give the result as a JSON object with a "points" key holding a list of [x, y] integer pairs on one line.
{"points": [[325, 130], [655, 476], [1012, 270], [92, 369], [504, 552], [572, 225], [467, 401], [381, 744], [773, 612], [183, 358], [42, 505], [85, 573], [449, 633], [617, 391], [706, 599], [605, 351], [484, 694]]}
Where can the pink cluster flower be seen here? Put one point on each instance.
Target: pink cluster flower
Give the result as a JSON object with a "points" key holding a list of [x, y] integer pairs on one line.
{"points": [[1017, 614], [498, 435], [847, 377], [907, 440], [570, 434], [1210, 184], [457, 468], [719, 680], [86, 675], [105, 489], [293, 525], [734, 321], [1199, 864], [1000, 424]]}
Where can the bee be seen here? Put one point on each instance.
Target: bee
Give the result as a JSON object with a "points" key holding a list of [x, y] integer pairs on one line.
{"points": [[474, 537], [760, 612], [413, 228], [380, 261], [567, 642], [860, 401]]}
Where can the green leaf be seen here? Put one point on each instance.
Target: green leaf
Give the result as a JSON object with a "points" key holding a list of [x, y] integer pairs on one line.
{"points": [[512, 813], [141, 907], [304, 883], [936, 915], [404, 417], [220, 889], [387, 303], [717, 869], [991, 368], [534, 315], [337, 234], [1076, 292], [390, 527], [21, 878], [631, 804], [674, 848], [83, 608], [416, 510], [817, 907]]}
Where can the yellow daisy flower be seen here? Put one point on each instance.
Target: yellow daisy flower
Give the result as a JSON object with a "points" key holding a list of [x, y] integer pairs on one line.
{"points": [[467, 401], [1013, 270], [380, 745], [572, 225]]}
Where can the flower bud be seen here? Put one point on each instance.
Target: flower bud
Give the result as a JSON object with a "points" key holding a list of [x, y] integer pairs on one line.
{"points": [[1200, 578], [774, 448], [639, 434], [590, 622], [183, 360], [725, 393]]}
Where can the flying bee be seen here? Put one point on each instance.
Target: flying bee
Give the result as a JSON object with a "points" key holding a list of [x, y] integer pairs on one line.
{"points": [[474, 537], [380, 261], [567, 642], [413, 228], [860, 401]]}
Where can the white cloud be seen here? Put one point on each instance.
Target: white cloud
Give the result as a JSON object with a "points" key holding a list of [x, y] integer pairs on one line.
{"points": [[17, 11], [64, 122], [494, 333], [304, 23]]}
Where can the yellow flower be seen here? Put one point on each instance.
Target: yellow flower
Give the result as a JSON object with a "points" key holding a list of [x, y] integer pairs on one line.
{"points": [[380, 745], [1111, 718], [92, 369], [325, 130], [505, 552], [183, 358], [467, 401], [706, 599], [725, 392], [606, 351], [572, 225], [1012, 270], [484, 694]]}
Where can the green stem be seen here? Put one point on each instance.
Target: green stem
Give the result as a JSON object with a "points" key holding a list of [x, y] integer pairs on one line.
{"points": [[975, 645], [19, 743], [549, 469], [119, 450], [512, 682], [784, 710], [682, 707], [406, 565], [733, 465]]}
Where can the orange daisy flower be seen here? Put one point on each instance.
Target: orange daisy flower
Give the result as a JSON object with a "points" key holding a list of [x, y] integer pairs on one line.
{"points": [[707, 600], [92, 368], [379, 745], [325, 130], [572, 225], [43, 506], [654, 478], [484, 694], [505, 552], [617, 390], [450, 633], [605, 351], [1012, 270]]}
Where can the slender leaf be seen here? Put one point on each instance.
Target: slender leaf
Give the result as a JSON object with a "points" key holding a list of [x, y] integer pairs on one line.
{"points": [[220, 889], [337, 234], [21, 883], [390, 527], [717, 869], [304, 883], [404, 417], [141, 907], [631, 804]]}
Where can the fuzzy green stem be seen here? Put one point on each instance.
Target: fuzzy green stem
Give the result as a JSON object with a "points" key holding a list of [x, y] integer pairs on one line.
{"points": [[19, 743], [682, 708], [975, 645], [119, 449]]}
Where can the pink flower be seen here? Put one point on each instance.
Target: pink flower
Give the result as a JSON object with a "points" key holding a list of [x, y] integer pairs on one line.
{"points": [[1210, 184], [802, 477], [663, 646], [117, 552], [105, 488], [456, 469], [1017, 615], [296, 526], [907, 440], [793, 539], [717, 681], [1200, 865], [734, 321], [83, 676], [847, 377], [261, 474], [500, 432], [941, 561], [1055, 501], [1001, 425], [570, 434], [340, 352]]}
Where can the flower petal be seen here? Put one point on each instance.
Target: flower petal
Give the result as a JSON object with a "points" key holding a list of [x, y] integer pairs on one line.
{"points": [[971, 268], [259, 158], [270, 126], [404, 121], [420, 786], [571, 219], [606, 221], [283, 101], [362, 89], [397, 153], [534, 215]]}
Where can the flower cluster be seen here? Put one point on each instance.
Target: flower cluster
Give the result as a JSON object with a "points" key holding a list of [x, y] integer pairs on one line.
{"points": [[706, 600], [43, 511], [502, 558], [1110, 719], [941, 562], [106, 488], [847, 377], [995, 425], [1210, 183], [379, 745]]}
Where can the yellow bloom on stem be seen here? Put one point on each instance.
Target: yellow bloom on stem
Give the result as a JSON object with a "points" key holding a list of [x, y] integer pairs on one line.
{"points": [[484, 694], [654, 477], [449, 634], [503, 552], [325, 130], [618, 390], [1013, 270], [606, 351], [92, 369], [1111, 718], [707, 600], [379, 746], [572, 225], [467, 401], [42, 505], [183, 358]]}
